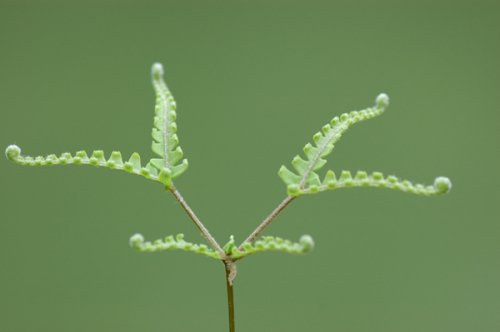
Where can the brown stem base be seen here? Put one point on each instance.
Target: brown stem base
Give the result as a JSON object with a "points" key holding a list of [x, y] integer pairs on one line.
{"points": [[230, 295]]}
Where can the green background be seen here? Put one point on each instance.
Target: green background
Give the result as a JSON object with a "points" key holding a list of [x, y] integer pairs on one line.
{"points": [[254, 80]]}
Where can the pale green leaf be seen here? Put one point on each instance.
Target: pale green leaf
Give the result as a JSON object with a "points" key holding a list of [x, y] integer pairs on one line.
{"points": [[165, 140]]}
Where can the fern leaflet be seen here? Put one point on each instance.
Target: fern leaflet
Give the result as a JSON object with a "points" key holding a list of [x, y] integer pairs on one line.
{"points": [[271, 243], [324, 141], [97, 158], [165, 140], [376, 179], [171, 243]]}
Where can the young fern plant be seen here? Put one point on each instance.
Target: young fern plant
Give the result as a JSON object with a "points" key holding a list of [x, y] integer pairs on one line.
{"points": [[169, 164]]}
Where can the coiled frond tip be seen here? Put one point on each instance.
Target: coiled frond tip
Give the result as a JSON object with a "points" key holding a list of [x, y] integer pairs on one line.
{"points": [[157, 71], [12, 152], [136, 240], [442, 184], [307, 243], [382, 100]]}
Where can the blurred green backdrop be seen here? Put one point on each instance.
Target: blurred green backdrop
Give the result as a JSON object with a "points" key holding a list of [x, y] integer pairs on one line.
{"points": [[253, 80]]}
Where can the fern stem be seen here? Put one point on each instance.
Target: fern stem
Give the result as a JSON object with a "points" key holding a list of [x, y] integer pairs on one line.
{"points": [[201, 227], [166, 109], [230, 295], [266, 222]]}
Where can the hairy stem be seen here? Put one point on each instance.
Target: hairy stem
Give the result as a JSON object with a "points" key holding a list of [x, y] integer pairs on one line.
{"points": [[201, 227], [230, 294], [269, 219]]}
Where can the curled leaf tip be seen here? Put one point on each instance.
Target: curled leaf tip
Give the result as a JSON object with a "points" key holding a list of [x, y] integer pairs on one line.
{"points": [[442, 184], [12, 152], [382, 100], [136, 240], [230, 245], [157, 71], [307, 243]]}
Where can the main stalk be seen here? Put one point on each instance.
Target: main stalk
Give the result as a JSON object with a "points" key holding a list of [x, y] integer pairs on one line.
{"points": [[230, 295]]}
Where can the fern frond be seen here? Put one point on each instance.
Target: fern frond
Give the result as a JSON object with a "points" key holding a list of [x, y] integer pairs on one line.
{"points": [[271, 243], [97, 158], [324, 140], [441, 185], [165, 140], [306, 181], [171, 243]]}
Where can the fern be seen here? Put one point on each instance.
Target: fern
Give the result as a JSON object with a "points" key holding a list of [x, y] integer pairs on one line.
{"points": [[307, 181], [171, 243], [271, 243], [97, 158], [165, 144], [165, 140], [376, 179], [169, 163], [267, 243]]}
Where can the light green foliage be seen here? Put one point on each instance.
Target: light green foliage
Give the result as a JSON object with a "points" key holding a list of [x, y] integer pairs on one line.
{"points": [[271, 243], [376, 179], [305, 180], [171, 164], [97, 158], [165, 140], [165, 144], [171, 243], [267, 243]]}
